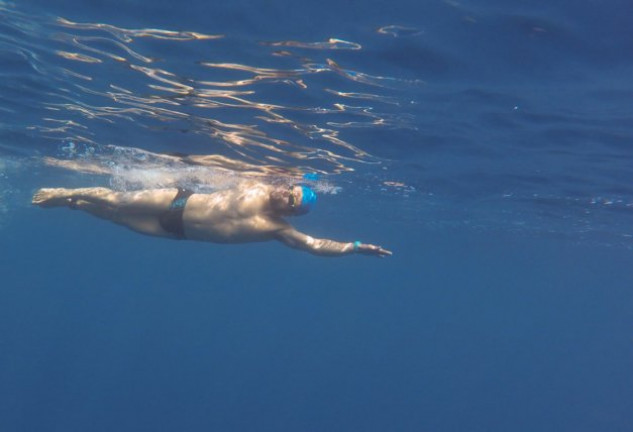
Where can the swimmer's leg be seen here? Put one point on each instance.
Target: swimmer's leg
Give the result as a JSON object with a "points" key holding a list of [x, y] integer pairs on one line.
{"points": [[60, 197], [137, 210], [144, 201]]}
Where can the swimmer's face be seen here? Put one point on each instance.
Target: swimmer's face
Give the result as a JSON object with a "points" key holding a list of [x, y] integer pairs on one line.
{"points": [[285, 200]]}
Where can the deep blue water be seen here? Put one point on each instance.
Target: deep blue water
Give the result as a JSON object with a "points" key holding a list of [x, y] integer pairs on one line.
{"points": [[488, 144]]}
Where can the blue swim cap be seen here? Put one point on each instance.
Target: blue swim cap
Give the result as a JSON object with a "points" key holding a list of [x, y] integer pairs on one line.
{"points": [[308, 198]]}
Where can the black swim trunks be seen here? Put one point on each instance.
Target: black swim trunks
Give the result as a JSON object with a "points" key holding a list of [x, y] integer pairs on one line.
{"points": [[171, 220]]}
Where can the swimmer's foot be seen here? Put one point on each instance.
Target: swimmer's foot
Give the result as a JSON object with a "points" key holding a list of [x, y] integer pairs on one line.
{"points": [[58, 197]]}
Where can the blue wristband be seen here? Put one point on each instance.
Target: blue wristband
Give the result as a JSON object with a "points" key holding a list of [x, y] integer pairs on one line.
{"points": [[356, 245]]}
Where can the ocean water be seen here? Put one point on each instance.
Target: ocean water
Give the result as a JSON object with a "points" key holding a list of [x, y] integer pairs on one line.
{"points": [[488, 144]]}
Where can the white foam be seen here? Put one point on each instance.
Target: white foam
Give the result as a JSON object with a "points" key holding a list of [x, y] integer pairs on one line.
{"points": [[201, 179]]}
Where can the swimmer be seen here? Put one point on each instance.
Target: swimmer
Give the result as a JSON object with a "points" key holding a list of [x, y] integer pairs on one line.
{"points": [[253, 212]]}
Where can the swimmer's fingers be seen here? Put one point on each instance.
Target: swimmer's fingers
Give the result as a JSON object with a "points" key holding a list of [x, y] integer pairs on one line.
{"points": [[369, 249], [383, 252]]}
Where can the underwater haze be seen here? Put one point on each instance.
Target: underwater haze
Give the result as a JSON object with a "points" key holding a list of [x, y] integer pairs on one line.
{"points": [[488, 144]]}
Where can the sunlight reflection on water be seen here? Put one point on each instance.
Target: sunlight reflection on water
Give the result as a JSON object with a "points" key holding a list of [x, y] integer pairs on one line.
{"points": [[100, 73]]}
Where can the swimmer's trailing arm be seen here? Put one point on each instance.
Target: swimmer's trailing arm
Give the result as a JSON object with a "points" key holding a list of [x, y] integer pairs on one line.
{"points": [[295, 239]]}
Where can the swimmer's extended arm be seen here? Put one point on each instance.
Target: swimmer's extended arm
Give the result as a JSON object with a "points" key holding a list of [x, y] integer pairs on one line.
{"points": [[295, 239]]}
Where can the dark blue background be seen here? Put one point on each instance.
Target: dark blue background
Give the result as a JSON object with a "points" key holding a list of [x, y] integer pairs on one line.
{"points": [[106, 330], [492, 315]]}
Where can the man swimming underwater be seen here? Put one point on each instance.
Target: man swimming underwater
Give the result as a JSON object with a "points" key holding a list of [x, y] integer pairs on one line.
{"points": [[251, 213]]}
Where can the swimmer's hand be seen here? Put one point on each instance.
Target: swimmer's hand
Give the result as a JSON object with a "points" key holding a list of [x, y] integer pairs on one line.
{"points": [[369, 249]]}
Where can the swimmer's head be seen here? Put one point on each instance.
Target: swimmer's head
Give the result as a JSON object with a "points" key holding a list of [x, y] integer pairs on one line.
{"points": [[302, 202], [294, 201]]}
